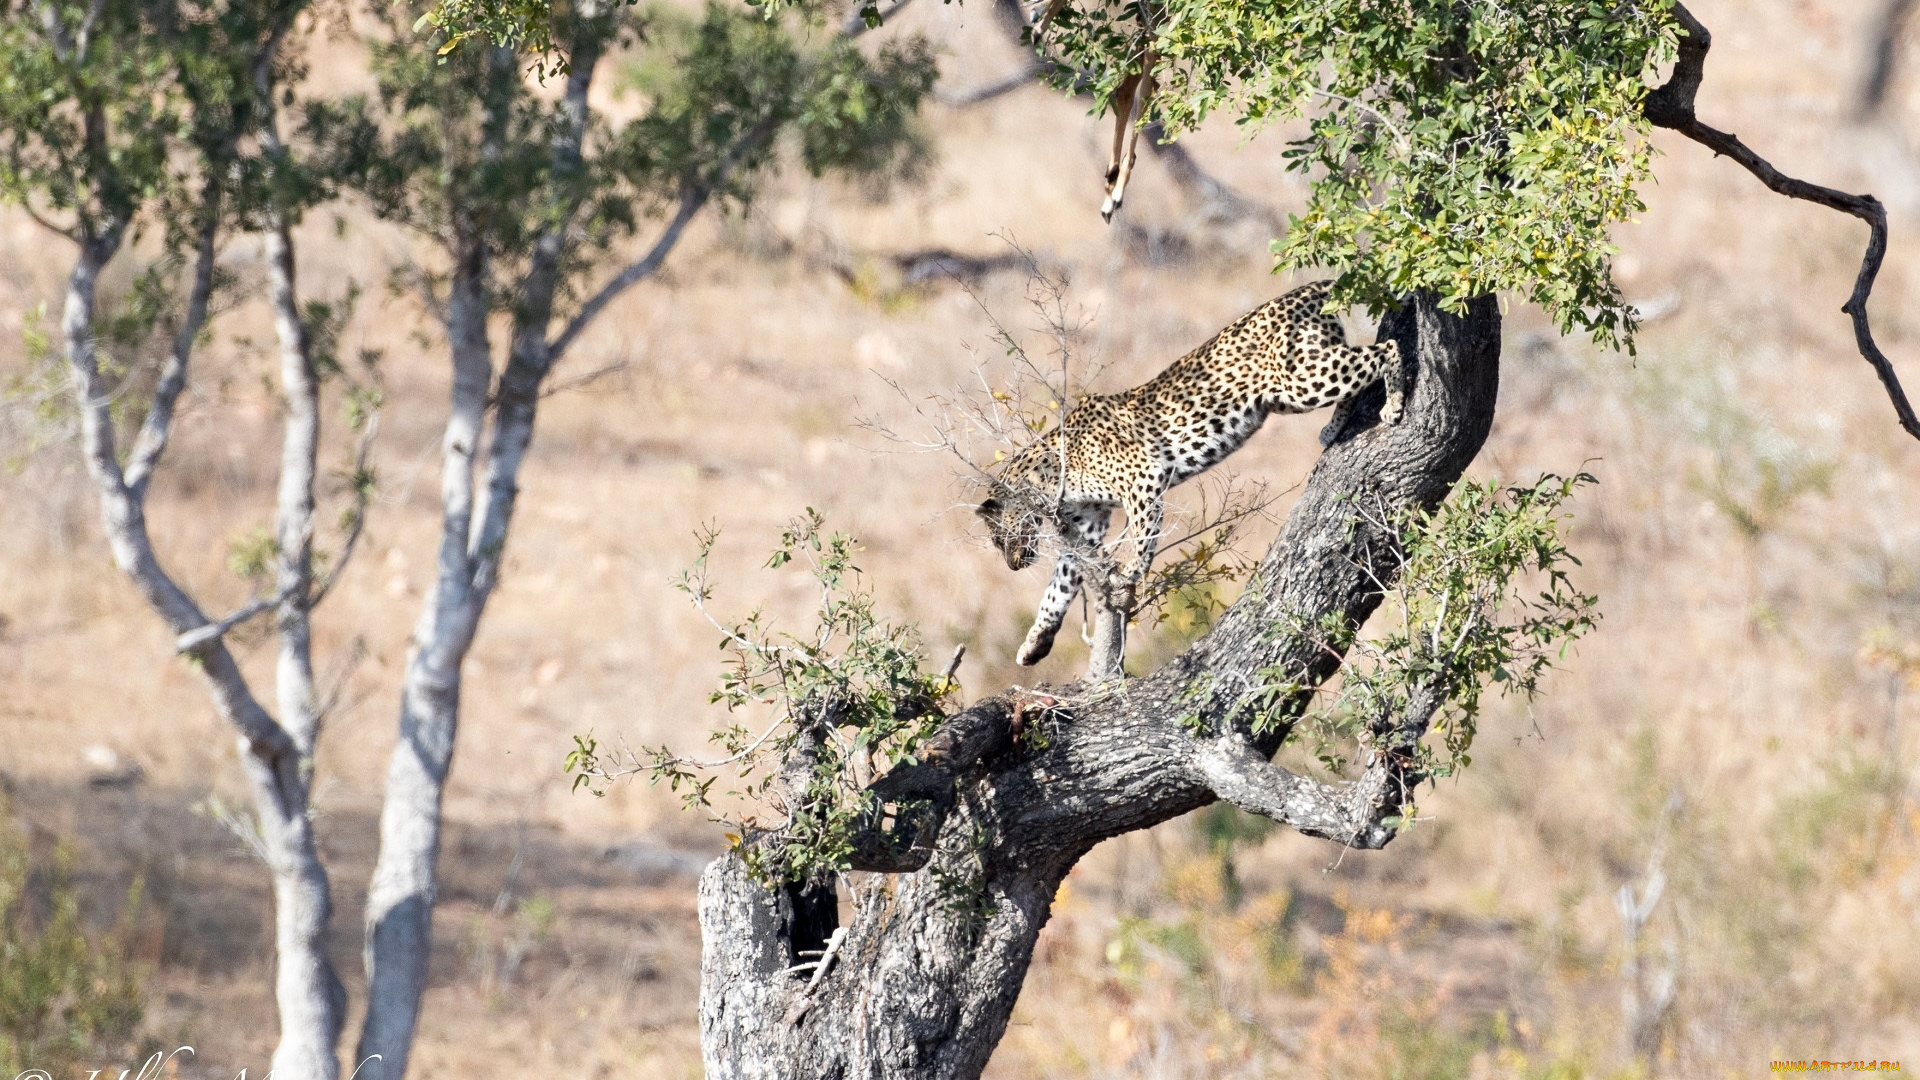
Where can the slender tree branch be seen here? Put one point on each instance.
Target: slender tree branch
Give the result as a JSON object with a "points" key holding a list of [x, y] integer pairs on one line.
{"points": [[201, 636], [356, 517], [693, 198], [48, 225], [1671, 106], [157, 428], [415, 278]]}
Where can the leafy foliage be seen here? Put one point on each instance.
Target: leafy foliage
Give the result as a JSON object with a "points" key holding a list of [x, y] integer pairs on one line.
{"points": [[1457, 621], [847, 702], [457, 144], [87, 120], [1460, 148], [510, 24], [1463, 148], [111, 110]]}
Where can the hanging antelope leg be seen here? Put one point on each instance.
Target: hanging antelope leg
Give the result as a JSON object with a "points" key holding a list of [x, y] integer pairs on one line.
{"points": [[1129, 107]]}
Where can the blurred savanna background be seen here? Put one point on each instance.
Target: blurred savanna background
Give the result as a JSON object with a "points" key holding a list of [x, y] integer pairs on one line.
{"points": [[1697, 853]]}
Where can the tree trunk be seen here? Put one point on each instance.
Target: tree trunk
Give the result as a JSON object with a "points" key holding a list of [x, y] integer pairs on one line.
{"points": [[313, 1003], [399, 934], [308, 992], [925, 978], [474, 529]]}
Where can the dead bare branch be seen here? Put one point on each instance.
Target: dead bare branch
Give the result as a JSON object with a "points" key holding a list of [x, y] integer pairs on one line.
{"points": [[1671, 106]]}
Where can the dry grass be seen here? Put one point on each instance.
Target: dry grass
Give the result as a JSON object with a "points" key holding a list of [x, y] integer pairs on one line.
{"points": [[1723, 714]]}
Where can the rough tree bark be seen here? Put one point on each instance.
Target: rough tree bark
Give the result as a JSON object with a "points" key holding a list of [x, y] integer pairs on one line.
{"points": [[922, 981]]}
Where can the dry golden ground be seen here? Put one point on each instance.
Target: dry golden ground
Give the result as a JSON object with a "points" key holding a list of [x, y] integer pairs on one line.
{"points": [[1723, 721]]}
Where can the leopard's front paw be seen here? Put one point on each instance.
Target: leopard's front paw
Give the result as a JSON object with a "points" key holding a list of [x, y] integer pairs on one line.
{"points": [[1035, 649]]}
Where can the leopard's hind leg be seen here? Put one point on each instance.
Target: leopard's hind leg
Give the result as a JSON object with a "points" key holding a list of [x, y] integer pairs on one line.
{"points": [[1393, 370]]}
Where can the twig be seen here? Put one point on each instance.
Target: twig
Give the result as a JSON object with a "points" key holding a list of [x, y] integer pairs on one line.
{"points": [[362, 497], [202, 636], [804, 1003], [48, 225], [582, 381], [1671, 106]]}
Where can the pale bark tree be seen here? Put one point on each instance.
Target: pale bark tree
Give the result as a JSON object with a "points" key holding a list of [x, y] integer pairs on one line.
{"points": [[276, 751], [490, 426], [79, 159]]}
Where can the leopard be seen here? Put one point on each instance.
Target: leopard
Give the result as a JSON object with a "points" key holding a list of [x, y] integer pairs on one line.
{"points": [[1126, 450]]}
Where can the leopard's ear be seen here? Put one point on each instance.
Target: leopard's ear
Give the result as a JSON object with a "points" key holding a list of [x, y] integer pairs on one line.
{"points": [[988, 509]]}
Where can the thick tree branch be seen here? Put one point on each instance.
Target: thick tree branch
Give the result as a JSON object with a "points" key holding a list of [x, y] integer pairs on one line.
{"points": [[1347, 814], [1671, 106], [1366, 813]]}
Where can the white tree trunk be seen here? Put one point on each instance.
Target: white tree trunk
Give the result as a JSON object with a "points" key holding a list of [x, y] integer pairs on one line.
{"points": [[399, 931], [312, 1001], [474, 528], [276, 762]]}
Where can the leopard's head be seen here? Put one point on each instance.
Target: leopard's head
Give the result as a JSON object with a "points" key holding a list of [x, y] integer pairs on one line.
{"points": [[1013, 525]]}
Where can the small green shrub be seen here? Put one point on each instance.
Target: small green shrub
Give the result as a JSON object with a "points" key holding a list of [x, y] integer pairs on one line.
{"points": [[1457, 620], [838, 708], [65, 996]]}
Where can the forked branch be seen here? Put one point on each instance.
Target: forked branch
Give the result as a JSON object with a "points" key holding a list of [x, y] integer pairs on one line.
{"points": [[1671, 106]]}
